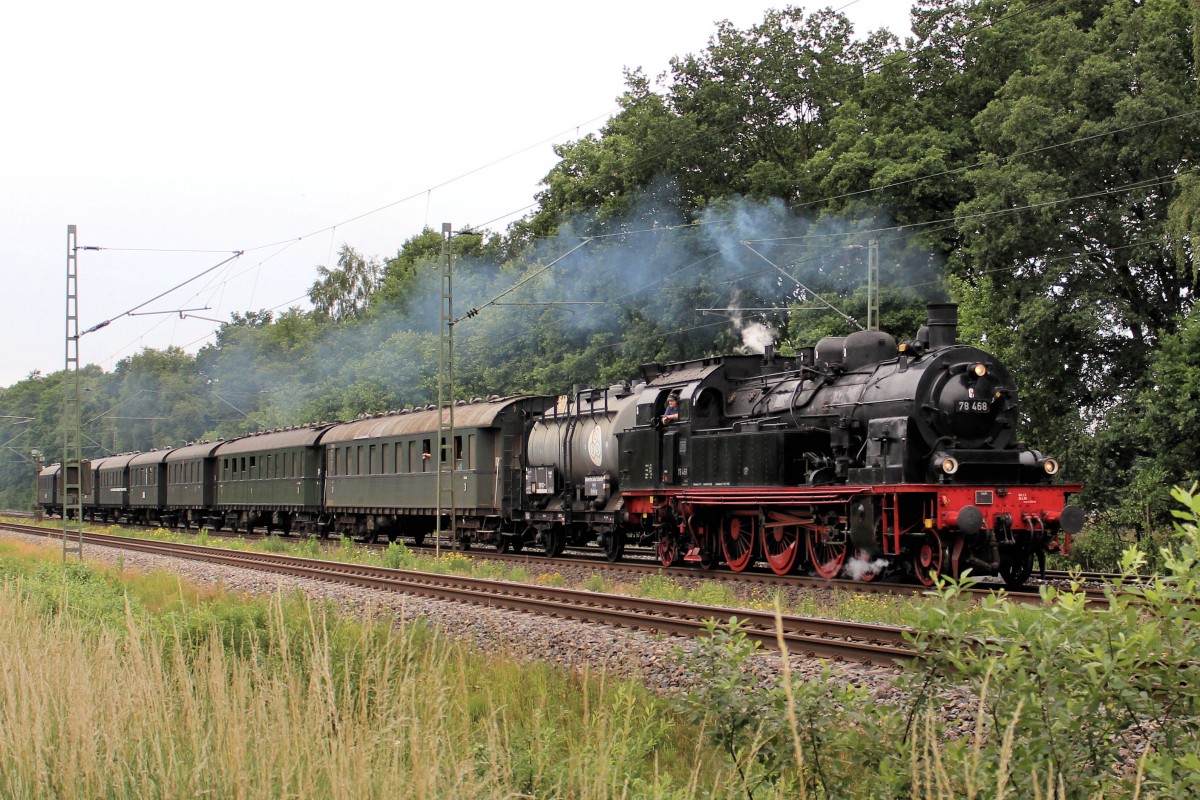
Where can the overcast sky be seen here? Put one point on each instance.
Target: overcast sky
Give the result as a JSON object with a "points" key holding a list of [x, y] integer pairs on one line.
{"points": [[159, 128]]}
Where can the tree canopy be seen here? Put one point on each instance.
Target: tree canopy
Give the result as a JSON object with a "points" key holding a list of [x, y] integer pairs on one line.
{"points": [[1033, 161]]}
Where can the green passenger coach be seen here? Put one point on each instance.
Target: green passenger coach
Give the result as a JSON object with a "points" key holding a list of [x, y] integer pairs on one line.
{"points": [[383, 470], [271, 479]]}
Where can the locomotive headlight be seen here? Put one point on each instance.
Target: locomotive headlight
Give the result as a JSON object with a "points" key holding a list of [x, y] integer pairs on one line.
{"points": [[980, 370], [1051, 466], [949, 465]]}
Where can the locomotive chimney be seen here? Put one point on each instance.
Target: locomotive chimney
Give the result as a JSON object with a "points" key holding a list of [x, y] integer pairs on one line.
{"points": [[942, 322]]}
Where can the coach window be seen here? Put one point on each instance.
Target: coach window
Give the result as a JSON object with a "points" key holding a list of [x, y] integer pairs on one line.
{"points": [[458, 452], [372, 464], [386, 450], [471, 452], [426, 454]]}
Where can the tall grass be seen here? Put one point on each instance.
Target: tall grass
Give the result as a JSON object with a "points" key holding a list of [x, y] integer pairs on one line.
{"points": [[100, 697]]}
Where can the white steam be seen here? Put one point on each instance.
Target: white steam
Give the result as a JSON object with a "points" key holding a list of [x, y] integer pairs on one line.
{"points": [[858, 569], [756, 337]]}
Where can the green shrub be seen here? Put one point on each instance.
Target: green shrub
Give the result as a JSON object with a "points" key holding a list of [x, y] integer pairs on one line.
{"points": [[1082, 689], [1068, 701], [597, 583], [397, 556], [1101, 546], [821, 737], [274, 544], [658, 587]]}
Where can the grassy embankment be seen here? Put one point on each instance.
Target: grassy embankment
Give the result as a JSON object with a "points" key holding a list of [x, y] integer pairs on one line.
{"points": [[849, 605], [140, 686]]}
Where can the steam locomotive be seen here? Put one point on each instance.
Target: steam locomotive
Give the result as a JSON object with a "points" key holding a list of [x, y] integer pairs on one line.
{"points": [[860, 456]]}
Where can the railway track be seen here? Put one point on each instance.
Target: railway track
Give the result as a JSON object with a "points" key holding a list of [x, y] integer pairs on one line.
{"points": [[763, 577], [851, 641]]}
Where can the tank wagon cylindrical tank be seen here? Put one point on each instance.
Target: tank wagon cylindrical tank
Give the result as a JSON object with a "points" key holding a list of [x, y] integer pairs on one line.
{"points": [[571, 484]]}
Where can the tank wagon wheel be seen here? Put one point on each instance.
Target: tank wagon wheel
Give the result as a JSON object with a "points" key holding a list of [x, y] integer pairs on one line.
{"points": [[781, 544], [827, 557], [614, 546], [737, 542], [556, 541], [927, 558], [419, 539], [502, 543]]}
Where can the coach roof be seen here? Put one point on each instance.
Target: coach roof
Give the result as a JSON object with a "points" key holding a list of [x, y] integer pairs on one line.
{"points": [[201, 450], [470, 415], [273, 440]]}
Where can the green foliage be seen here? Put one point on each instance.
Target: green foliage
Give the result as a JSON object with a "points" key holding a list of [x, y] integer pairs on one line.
{"points": [[397, 556], [597, 583], [273, 544], [804, 735], [1082, 690], [1102, 545], [660, 587], [343, 292], [1098, 703]]}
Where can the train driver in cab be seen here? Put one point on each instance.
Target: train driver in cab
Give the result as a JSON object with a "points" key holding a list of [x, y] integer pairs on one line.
{"points": [[671, 413]]}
